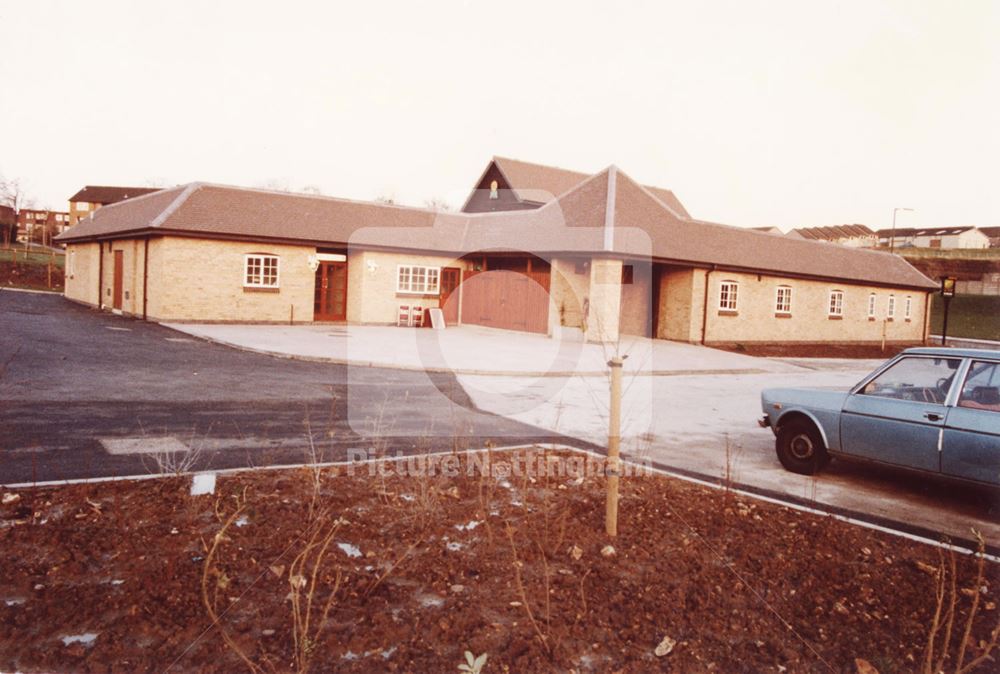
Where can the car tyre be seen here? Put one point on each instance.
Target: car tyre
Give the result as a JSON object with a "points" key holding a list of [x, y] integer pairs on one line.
{"points": [[800, 447]]}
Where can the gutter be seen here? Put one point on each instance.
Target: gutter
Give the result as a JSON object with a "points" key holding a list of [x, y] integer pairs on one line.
{"points": [[704, 308], [145, 275], [100, 275]]}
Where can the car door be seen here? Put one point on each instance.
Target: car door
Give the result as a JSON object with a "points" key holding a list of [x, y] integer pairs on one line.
{"points": [[898, 416], [971, 446]]}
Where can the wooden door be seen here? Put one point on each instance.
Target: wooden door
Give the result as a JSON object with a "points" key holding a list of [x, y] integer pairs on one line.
{"points": [[451, 277], [118, 281], [331, 292], [507, 299]]}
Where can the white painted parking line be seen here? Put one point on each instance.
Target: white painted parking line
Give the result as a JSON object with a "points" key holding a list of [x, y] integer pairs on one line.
{"points": [[179, 339], [143, 445], [113, 327]]}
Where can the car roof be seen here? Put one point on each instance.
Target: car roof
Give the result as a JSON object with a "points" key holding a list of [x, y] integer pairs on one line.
{"points": [[954, 353]]}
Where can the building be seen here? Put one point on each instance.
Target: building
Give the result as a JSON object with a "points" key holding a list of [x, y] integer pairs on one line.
{"points": [[769, 229], [856, 236], [41, 226], [92, 197], [934, 237], [593, 259], [993, 234]]}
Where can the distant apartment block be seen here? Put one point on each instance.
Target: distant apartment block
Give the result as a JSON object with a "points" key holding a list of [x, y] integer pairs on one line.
{"points": [[41, 225], [92, 197], [856, 236], [934, 237]]}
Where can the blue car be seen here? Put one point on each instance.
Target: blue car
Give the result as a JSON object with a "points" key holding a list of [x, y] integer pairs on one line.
{"points": [[934, 410]]}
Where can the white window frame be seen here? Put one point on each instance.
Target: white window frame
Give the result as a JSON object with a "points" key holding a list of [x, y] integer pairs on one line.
{"points": [[784, 308], [890, 309], [908, 307], [729, 296], [431, 284], [872, 303], [261, 281], [835, 303]]}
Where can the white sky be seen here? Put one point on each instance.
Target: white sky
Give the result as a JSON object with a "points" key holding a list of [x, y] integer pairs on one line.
{"points": [[754, 113]]}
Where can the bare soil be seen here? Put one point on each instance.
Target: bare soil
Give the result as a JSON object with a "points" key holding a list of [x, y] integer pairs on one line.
{"points": [[432, 566], [777, 350], [31, 274]]}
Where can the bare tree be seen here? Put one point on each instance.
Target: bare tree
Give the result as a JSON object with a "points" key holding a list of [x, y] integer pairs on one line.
{"points": [[437, 204], [13, 196], [387, 199], [312, 189]]}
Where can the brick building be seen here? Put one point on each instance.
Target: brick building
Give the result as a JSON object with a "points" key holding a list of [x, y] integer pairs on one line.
{"points": [[535, 248]]}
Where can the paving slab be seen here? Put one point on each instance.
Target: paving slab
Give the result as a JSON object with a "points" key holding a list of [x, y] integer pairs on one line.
{"points": [[474, 350]]}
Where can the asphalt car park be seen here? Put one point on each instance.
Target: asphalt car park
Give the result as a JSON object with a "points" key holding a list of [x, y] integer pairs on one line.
{"points": [[79, 389]]}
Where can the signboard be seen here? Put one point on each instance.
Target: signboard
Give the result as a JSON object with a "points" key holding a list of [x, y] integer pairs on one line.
{"points": [[948, 286], [437, 318]]}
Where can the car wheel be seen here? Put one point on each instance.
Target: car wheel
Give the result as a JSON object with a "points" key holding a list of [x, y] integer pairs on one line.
{"points": [[800, 447]]}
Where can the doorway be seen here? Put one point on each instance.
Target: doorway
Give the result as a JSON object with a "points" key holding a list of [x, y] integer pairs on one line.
{"points": [[451, 277], [331, 292], [118, 280]]}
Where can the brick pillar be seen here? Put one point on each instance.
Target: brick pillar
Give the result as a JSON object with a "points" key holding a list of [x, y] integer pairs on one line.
{"points": [[605, 300]]}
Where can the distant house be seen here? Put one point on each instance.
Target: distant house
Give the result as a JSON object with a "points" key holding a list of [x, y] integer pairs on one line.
{"points": [[41, 225], [92, 197], [993, 233], [768, 230], [934, 237], [856, 236]]}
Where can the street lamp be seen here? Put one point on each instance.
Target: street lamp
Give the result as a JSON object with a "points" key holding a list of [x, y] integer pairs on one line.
{"points": [[892, 238]]}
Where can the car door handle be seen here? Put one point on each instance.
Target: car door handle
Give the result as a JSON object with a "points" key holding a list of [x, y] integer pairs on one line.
{"points": [[932, 416]]}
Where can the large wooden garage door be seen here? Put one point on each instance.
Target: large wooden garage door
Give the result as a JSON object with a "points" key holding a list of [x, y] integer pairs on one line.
{"points": [[507, 299]]}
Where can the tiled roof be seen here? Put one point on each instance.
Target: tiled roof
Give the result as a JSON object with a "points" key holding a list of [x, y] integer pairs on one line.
{"points": [[105, 194], [639, 225], [835, 232], [541, 184]]}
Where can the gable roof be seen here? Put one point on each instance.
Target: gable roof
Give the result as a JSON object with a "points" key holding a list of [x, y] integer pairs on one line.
{"points": [[990, 231], [107, 194], [540, 184], [834, 232], [607, 213]]}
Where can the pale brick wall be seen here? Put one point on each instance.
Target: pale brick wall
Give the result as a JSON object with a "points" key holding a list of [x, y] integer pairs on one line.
{"points": [[680, 305], [568, 290], [202, 280], [371, 284], [755, 320], [605, 300], [637, 302], [82, 266]]}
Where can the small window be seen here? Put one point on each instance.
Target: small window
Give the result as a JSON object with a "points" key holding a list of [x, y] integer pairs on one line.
{"points": [[494, 190], [836, 303], [628, 274], [783, 300], [418, 280], [890, 310], [908, 308], [871, 305], [728, 291], [260, 271]]}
